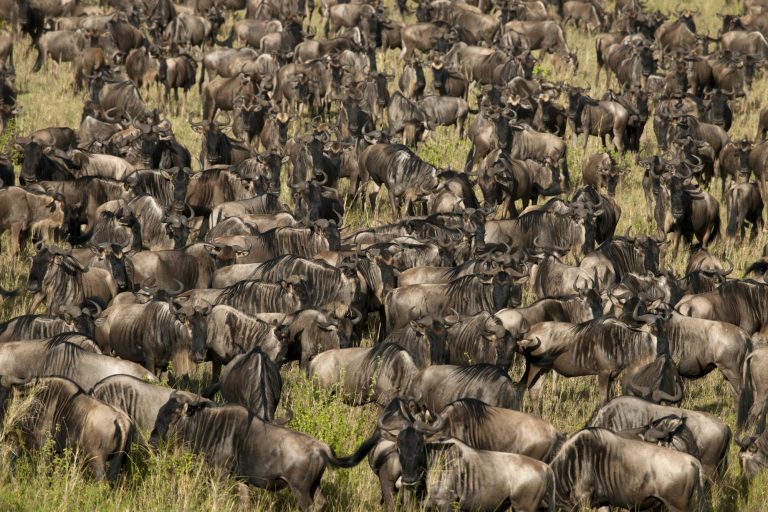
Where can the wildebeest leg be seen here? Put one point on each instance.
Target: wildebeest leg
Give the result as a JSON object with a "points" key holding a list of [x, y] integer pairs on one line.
{"points": [[531, 377], [604, 384], [36, 301], [15, 239], [308, 493], [756, 226], [393, 203], [387, 491], [97, 464]]}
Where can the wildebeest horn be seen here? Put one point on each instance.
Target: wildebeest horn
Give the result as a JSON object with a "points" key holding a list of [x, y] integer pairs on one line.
{"points": [[356, 317], [175, 291], [646, 318], [97, 309], [436, 426], [659, 395]]}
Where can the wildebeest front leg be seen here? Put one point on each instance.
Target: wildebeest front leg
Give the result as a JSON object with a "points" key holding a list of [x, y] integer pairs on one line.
{"points": [[97, 465], [36, 301], [604, 384]]}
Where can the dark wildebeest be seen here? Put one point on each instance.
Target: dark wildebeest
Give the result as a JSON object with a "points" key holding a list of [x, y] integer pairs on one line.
{"points": [[597, 467], [686, 211], [260, 453], [63, 413]]}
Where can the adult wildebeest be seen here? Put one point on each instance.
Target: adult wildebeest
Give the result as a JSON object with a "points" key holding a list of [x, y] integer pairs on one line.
{"points": [[258, 452], [406, 176], [467, 295], [712, 437], [24, 212], [139, 399], [63, 412], [600, 118], [365, 375], [744, 204], [590, 349], [598, 468]]}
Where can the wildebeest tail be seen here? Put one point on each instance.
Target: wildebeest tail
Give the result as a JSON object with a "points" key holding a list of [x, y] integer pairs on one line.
{"points": [[39, 62], [353, 460], [599, 54], [701, 491], [124, 431], [733, 222], [470, 158], [747, 395], [551, 497], [202, 77], [714, 231]]}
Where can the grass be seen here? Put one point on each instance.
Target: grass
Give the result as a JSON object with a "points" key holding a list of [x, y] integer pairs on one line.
{"points": [[169, 480]]}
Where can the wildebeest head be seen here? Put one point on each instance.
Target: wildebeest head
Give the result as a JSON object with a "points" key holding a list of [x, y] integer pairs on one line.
{"points": [[172, 414], [435, 333], [753, 455], [410, 438], [39, 267], [115, 255], [195, 315], [658, 382]]}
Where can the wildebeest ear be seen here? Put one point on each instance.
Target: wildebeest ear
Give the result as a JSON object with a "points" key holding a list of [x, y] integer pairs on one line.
{"points": [[7, 381]]}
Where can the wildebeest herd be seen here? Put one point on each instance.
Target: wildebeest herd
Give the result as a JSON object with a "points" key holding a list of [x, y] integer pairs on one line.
{"points": [[147, 268]]}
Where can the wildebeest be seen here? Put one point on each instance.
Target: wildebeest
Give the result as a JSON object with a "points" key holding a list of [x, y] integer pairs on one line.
{"points": [[600, 468], [244, 445], [139, 399], [365, 375], [589, 349], [253, 381], [744, 204], [485, 427], [467, 295], [151, 334], [72, 419], [24, 213], [406, 176], [712, 437]]}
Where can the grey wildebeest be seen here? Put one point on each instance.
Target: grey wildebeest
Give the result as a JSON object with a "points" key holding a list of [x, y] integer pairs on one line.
{"points": [[467, 295], [597, 467], [244, 445], [72, 419], [589, 349], [442, 471], [712, 437], [22, 212], [365, 375], [139, 399]]}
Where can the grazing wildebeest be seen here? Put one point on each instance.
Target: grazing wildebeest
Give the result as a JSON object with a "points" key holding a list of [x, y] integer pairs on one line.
{"points": [[260, 453], [72, 419]]}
